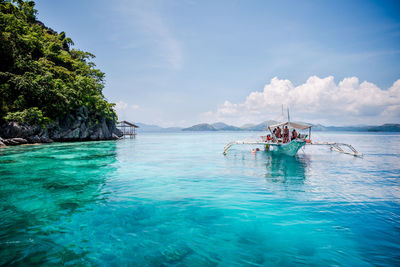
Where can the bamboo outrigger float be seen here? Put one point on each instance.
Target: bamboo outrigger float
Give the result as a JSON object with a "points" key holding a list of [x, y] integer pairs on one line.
{"points": [[277, 145]]}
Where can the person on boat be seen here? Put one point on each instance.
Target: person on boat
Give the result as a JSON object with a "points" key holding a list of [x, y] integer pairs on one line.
{"points": [[285, 134], [269, 137], [294, 134], [278, 132]]}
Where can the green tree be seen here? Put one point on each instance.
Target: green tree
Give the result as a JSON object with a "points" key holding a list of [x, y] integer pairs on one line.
{"points": [[40, 72]]}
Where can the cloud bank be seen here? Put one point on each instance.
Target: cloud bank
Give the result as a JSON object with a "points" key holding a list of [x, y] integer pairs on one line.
{"points": [[318, 100], [125, 110]]}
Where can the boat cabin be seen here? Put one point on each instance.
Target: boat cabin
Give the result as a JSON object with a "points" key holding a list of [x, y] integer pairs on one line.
{"points": [[290, 126]]}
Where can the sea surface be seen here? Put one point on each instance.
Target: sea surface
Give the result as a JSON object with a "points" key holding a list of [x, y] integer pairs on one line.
{"points": [[173, 199]]}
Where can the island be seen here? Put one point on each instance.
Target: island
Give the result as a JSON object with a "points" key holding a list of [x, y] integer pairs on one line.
{"points": [[49, 91]]}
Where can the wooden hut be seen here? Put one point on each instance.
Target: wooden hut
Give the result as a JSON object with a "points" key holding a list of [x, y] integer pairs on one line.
{"points": [[127, 128]]}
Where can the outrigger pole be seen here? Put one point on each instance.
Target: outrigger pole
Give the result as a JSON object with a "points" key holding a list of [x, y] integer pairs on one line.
{"points": [[332, 145], [337, 147]]}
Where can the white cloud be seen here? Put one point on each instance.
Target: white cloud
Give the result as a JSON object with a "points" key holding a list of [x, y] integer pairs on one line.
{"points": [[135, 106], [121, 105], [125, 110], [318, 100]]}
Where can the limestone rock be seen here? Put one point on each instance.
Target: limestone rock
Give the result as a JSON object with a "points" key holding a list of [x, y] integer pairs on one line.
{"points": [[84, 131], [105, 133], [20, 140], [14, 129], [9, 142], [117, 132], [45, 139], [83, 112], [114, 137], [15, 141], [55, 134], [75, 124], [75, 133], [78, 125], [95, 134], [34, 139]]}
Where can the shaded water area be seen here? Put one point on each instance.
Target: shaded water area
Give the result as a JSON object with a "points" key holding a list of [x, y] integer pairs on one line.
{"points": [[174, 200]]}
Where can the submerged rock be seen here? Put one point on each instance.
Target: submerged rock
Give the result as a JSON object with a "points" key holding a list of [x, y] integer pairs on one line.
{"points": [[176, 252]]}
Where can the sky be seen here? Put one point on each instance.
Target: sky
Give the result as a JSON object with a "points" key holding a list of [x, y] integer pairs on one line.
{"points": [[178, 63]]}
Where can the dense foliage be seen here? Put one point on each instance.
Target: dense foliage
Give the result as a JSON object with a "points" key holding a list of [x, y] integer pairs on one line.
{"points": [[41, 76]]}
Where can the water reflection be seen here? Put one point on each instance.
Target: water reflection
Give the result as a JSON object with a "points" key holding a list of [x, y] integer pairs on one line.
{"points": [[275, 168], [40, 185], [286, 169]]}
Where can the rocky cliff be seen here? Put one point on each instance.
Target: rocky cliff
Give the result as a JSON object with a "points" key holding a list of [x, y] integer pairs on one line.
{"points": [[77, 126]]}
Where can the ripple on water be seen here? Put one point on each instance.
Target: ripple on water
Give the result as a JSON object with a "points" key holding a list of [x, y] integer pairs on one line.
{"points": [[175, 200]]}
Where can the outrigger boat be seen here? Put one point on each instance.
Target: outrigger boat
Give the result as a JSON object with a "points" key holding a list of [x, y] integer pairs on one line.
{"points": [[278, 146]]}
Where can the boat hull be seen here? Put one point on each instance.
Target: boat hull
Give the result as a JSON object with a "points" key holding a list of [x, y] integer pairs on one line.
{"points": [[289, 149]]}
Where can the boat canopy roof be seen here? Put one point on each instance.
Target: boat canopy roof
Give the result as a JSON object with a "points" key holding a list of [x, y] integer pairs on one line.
{"points": [[296, 125]]}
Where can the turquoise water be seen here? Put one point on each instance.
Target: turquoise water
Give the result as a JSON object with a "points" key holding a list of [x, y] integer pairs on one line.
{"points": [[174, 200]]}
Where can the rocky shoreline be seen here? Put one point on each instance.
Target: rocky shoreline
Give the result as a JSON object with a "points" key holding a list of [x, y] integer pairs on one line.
{"points": [[78, 126]]}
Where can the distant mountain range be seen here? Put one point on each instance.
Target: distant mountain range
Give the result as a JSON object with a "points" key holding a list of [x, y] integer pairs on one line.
{"points": [[154, 128], [390, 127], [220, 126]]}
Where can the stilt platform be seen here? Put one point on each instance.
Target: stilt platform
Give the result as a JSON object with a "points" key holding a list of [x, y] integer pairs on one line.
{"points": [[127, 129]]}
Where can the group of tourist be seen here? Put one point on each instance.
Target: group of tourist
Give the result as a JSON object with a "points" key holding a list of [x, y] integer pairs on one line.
{"points": [[277, 133]]}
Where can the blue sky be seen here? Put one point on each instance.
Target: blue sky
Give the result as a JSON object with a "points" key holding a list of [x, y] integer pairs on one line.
{"points": [[177, 63]]}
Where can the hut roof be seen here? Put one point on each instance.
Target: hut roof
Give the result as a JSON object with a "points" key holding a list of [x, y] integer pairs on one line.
{"points": [[128, 123]]}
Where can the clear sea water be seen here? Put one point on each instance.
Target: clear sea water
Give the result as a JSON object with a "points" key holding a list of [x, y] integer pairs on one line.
{"points": [[173, 199]]}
